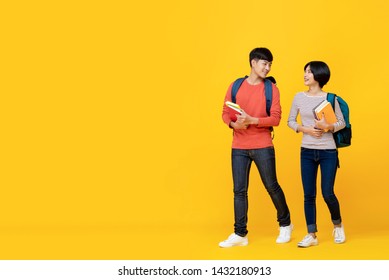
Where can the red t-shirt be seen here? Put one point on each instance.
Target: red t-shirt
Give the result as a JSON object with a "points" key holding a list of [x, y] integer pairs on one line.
{"points": [[251, 98]]}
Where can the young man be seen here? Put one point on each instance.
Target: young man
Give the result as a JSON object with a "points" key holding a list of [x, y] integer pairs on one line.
{"points": [[252, 141]]}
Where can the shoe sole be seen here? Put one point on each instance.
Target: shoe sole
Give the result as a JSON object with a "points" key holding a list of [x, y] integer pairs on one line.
{"points": [[313, 244], [279, 242], [234, 245]]}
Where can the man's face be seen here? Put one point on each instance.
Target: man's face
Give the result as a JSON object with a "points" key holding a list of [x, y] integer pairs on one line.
{"points": [[261, 67]]}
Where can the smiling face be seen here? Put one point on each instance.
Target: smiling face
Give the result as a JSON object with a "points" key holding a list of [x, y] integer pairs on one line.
{"points": [[316, 73], [261, 67], [309, 79]]}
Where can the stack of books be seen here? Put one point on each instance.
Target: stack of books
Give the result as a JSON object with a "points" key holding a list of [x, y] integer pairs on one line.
{"points": [[325, 108], [234, 106]]}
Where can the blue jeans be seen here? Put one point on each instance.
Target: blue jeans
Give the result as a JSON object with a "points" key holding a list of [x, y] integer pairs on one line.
{"points": [[264, 159], [310, 159]]}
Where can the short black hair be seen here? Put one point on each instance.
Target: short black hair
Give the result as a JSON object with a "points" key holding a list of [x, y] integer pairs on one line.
{"points": [[260, 53], [320, 70]]}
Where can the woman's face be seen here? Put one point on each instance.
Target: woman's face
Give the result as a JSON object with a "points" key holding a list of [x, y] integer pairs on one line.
{"points": [[309, 80]]}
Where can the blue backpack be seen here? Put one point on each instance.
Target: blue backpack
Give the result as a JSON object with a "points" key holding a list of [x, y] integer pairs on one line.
{"points": [[268, 92], [342, 137]]}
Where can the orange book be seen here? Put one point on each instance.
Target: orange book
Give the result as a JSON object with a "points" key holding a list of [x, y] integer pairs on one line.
{"points": [[326, 108]]}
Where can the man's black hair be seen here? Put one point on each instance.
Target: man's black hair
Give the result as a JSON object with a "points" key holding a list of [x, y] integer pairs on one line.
{"points": [[260, 53]]}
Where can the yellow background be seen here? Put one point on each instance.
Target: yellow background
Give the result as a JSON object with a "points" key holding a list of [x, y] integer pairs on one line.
{"points": [[112, 143]]}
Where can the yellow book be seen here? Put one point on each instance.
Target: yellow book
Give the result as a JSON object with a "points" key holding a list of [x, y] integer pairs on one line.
{"points": [[234, 106], [326, 108]]}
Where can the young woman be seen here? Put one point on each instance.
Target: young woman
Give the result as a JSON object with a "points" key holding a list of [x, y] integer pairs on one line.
{"points": [[317, 149]]}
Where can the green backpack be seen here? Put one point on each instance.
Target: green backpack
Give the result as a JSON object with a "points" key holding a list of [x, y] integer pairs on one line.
{"points": [[342, 137]]}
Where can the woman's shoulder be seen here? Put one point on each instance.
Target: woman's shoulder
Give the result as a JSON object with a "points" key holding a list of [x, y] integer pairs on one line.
{"points": [[300, 95]]}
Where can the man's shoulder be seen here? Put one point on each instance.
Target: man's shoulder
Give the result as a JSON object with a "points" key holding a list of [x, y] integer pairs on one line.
{"points": [[275, 88]]}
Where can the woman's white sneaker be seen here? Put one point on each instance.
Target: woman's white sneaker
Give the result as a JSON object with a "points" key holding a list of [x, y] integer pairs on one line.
{"points": [[339, 236], [234, 240], [308, 241]]}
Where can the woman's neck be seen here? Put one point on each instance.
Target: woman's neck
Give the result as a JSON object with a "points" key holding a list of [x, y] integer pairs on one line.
{"points": [[315, 91]]}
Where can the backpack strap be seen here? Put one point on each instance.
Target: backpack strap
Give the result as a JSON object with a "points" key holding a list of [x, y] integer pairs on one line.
{"points": [[269, 95], [235, 88], [269, 100], [331, 99]]}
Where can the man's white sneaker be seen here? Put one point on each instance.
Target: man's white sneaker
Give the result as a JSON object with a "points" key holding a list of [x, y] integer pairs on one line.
{"points": [[307, 241], [234, 240], [285, 234], [339, 236]]}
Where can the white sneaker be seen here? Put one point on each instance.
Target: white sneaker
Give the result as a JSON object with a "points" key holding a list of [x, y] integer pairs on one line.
{"points": [[234, 240], [285, 233], [307, 241], [339, 236]]}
